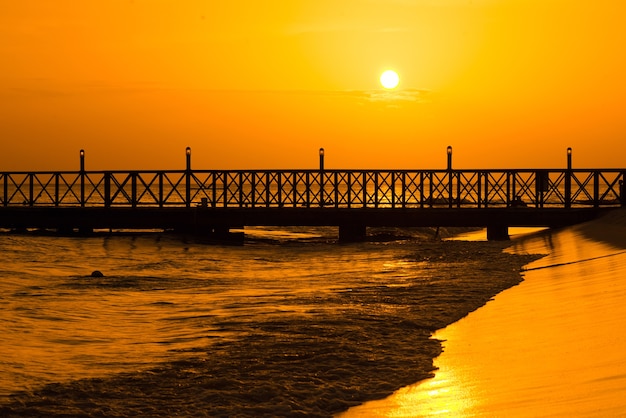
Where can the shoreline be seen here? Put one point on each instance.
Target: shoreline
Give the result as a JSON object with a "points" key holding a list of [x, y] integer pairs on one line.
{"points": [[318, 367], [550, 347]]}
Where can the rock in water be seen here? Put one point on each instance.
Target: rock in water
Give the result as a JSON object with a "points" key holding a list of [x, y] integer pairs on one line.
{"points": [[97, 273]]}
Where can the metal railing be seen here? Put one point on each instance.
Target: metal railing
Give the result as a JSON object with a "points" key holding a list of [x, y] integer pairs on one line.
{"points": [[317, 188], [534, 188]]}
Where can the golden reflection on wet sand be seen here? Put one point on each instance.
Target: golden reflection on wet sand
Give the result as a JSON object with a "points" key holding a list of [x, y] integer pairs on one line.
{"points": [[552, 346]]}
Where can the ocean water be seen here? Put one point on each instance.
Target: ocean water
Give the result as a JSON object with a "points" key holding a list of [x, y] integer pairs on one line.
{"points": [[291, 323]]}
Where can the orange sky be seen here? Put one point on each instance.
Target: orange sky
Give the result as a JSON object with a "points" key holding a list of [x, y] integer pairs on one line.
{"points": [[264, 84]]}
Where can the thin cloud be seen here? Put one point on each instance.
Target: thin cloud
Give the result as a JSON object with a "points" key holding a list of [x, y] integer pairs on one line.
{"points": [[374, 96], [406, 95], [388, 98]]}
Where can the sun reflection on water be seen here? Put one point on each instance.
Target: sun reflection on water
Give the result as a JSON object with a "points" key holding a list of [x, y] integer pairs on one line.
{"points": [[440, 396]]}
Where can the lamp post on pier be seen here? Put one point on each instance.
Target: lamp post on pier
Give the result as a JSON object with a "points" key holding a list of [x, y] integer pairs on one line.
{"points": [[188, 178], [568, 179], [321, 152], [82, 160], [82, 178], [569, 158], [449, 152]]}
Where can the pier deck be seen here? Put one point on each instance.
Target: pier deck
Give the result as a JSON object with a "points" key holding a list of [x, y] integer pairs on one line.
{"points": [[211, 201]]}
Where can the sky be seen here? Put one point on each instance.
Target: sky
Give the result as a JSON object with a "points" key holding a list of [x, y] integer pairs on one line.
{"points": [[253, 84]]}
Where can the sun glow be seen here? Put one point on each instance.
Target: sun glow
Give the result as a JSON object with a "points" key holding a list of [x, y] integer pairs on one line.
{"points": [[389, 79]]}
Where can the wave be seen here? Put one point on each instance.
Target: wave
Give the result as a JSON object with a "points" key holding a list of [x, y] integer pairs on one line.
{"points": [[282, 330]]}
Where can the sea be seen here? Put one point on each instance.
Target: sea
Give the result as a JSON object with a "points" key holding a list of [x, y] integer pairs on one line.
{"points": [[290, 322]]}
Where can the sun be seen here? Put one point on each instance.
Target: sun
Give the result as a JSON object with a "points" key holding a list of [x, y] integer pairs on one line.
{"points": [[389, 79]]}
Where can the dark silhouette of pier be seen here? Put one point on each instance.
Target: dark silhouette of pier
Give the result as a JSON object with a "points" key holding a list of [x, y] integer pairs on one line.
{"points": [[213, 202]]}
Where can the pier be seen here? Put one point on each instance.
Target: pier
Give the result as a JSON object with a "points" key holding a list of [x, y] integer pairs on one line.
{"points": [[213, 202]]}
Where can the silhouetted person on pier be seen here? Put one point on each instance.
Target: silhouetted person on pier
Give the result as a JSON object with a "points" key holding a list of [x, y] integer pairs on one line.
{"points": [[518, 202]]}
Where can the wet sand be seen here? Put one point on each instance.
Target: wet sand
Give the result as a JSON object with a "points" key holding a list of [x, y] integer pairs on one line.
{"points": [[553, 346]]}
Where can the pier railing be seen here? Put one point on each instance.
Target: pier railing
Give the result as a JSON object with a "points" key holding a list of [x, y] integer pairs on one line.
{"points": [[317, 188]]}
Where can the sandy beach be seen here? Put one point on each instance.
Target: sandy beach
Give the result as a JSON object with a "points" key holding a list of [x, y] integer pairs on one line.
{"points": [[551, 347]]}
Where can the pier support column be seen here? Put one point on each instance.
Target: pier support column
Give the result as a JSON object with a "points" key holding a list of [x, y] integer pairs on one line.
{"points": [[352, 233], [225, 235], [85, 230], [497, 233], [213, 233], [220, 231]]}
